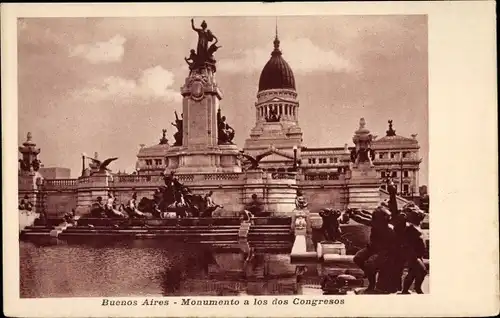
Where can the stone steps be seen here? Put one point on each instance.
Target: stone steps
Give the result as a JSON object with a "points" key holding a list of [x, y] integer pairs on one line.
{"points": [[150, 235]]}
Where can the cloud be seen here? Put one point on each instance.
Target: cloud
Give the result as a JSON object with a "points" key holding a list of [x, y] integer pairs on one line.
{"points": [[302, 55], [101, 52], [153, 83]]}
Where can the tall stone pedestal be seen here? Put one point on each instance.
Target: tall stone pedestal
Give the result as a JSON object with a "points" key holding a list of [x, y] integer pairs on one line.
{"points": [[200, 151], [30, 187], [364, 187], [89, 188]]}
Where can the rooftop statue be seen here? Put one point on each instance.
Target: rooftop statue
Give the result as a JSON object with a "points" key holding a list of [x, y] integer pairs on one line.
{"points": [[254, 161], [178, 125], [103, 165]]}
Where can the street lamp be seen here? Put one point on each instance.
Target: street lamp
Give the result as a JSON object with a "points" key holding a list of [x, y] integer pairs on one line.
{"points": [[295, 148], [83, 163]]}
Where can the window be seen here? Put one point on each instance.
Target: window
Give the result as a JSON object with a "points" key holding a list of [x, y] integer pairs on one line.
{"points": [[149, 162], [394, 174], [331, 160], [158, 162], [312, 160], [405, 174], [381, 155], [322, 160], [382, 174], [405, 188], [405, 154], [393, 155]]}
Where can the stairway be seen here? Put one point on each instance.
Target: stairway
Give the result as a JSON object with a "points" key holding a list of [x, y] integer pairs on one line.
{"points": [[264, 232], [189, 233], [35, 230]]}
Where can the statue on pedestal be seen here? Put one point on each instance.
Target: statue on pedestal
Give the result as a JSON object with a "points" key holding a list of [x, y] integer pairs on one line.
{"points": [[225, 132], [362, 152], [300, 201], [102, 166], [204, 52], [331, 224], [178, 125], [29, 153]]}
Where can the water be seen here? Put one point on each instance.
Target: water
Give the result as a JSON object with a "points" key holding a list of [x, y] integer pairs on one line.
{"points": [[151, 268], [103, 268]]}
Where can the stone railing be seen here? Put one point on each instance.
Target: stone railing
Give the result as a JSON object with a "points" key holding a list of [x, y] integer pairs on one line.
{"points": [[396, 160], [60, 184], [321, 177], [185, 177], [84, 180], [132, 179], [223, 176], [283, 175]]}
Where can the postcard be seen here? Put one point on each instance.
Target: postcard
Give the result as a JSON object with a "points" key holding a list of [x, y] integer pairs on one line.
{"points": [[250, 160]]}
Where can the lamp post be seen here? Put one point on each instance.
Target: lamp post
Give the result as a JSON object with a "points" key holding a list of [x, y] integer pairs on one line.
{"points": [[295, 148], [83, 163], [401, 176]]}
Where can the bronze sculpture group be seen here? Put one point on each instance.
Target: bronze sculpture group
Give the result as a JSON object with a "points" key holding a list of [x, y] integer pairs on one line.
{"points": [[395, 243], [172, 197], [203, 56]]}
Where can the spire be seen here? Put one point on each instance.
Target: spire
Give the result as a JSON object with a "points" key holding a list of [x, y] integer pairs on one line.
{"points": [[276, 42]]}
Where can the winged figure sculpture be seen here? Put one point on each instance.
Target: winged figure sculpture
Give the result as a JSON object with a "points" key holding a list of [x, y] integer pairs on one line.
{"points": [[254, 161], [103, 165]]}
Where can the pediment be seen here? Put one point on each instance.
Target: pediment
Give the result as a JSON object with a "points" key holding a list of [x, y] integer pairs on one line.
{"points": [[276, 100], [274, 154], [275, 157]]}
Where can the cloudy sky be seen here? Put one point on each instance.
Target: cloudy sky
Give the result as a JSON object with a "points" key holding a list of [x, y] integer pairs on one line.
{"points": [[111, 84]]}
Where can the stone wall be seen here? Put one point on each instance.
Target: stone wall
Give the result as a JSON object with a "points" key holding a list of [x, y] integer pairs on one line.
{"points": [[58, 203], [231, 190], [325, 197]]}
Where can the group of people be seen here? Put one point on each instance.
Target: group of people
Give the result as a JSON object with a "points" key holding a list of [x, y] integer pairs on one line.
{"points": [[395, 242]]}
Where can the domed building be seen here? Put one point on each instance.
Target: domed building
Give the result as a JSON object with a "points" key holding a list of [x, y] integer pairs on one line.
{"points": [[277, 135], [276, 114]]}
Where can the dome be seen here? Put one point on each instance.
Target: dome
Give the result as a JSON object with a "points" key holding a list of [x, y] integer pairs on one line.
{"points": [[276, 74]]}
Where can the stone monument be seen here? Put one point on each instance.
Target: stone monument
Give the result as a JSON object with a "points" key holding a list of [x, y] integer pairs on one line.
{"points": [[363, 183], [204, 138], [30, 180]]}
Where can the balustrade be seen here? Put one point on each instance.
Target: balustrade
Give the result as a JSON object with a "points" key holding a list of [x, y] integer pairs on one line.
{"points": [[60, 182], [283, 175], [317, 177], [132, 179], [185, 177], [222, 176]]}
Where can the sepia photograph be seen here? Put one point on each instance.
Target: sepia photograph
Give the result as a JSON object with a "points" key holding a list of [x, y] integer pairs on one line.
{"points": [[223, 156], [196, 160]]}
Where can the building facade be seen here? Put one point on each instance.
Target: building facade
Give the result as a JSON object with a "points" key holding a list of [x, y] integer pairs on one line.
{"points": [[277, 135]]}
